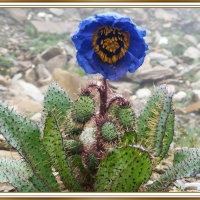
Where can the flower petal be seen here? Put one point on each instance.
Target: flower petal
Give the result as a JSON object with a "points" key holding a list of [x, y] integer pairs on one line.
{"points": [[86, 62], [113, 72], [86, 32], [135, 62]]}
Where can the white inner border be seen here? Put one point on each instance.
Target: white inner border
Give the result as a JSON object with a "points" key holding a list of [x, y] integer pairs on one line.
{"points": [[98, 4], [100, 195]]}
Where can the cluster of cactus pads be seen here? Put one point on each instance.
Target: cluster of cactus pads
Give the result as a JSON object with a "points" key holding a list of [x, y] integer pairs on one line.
{"points": [[95, 143]]}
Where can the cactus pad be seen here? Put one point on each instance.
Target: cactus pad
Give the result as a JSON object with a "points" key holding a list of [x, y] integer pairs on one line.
{"points": [[126, 118], [186, 164], [123, 170], [72, 147], [24, 135], [57, 100], [109, 131], [17, 173], [92, 162], [53, 144], [83, 109]]}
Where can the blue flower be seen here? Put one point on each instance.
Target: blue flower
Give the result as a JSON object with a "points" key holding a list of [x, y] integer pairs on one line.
{"points": [[109, 44]]}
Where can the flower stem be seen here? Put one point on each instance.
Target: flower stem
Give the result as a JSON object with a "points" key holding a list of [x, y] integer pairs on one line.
{"points": [[103, 97]]}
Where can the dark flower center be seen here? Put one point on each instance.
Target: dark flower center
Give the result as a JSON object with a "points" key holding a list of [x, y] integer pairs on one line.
{"points": [[110, 43]]}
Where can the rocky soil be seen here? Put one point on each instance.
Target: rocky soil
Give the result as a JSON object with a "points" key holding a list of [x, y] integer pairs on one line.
{"points": [[36, 48]]}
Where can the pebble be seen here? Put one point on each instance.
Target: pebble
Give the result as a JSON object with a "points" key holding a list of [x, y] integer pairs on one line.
{"points": [[179, 96]]}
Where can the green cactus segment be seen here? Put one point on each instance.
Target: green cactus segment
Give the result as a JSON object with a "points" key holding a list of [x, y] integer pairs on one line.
{"points": [[153, 106], [186, 164], [17, 173], [53, 144], [84, 109], [161, 127], [72, 127], [169, 133], [57, 100], [24, 135], [92, 162], [123, 170], [126, 118], [83, 175], [128, 138], [109, 131], [72, 147]]}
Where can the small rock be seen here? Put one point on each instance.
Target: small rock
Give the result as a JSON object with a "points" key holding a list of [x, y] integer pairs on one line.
{"points": [[196, 95], [42, 72], [146, 64], [56, 11], [17, 14], [4, 82], [192, 107], [13, 41], [55, 27], [50, 53], [56, 62], [6, 187], [167, 53], [9, 154], [36, 117], [190, 188], [30, 76], [29, 89], [196, 85], [171, 88], [197, 75], [163, 14], [192, 52], [191, 40], [4, 51], [150, 75], [24, 105], [143, 93], [123, 88], [157, 56], [168, 63], [179, 96], [71, 83]]}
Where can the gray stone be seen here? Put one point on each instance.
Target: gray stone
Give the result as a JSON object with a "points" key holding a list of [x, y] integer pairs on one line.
{"points": [[179, 96], [168, 63], [9, 154], [24, 105], [157, 56], [71, 83], [18, 14], [36, 117], [143, 93], [151, 75], [4, 81], [191, 40], [196, 95], [163, 14], [29, 89], [196, 85], [192, 52], [167, 53], [50, 53], [55, 27], [56, 62], [56, 11], [197, 75]]}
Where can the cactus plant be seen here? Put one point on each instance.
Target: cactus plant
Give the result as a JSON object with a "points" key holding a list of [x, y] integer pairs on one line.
{"points": [[106, 152], [96, 143]]}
